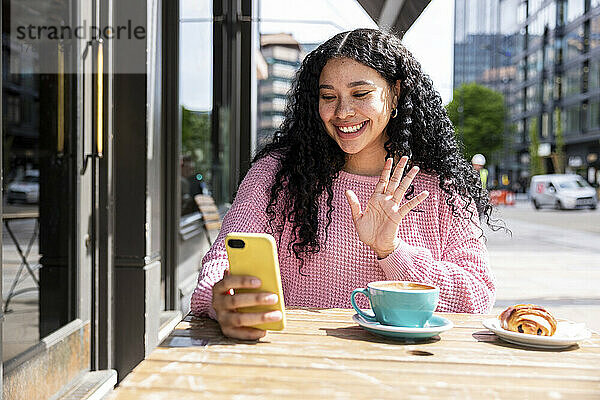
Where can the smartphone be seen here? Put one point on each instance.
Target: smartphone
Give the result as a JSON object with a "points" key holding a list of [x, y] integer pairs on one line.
{"points": [[255, 254]]}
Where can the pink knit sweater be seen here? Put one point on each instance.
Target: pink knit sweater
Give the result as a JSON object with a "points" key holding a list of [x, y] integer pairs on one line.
{"points": [[436, 248]]}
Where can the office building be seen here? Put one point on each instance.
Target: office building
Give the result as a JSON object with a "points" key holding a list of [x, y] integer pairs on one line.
{"points": [[283, 56], [550, 56]]}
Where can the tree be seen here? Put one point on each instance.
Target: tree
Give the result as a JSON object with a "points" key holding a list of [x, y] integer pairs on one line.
{"points": [[481, 126], [195, 137], [558, 156], [537, 165]]}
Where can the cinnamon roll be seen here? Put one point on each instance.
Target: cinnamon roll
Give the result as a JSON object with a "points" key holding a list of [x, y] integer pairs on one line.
{"points": [[528, 318]]}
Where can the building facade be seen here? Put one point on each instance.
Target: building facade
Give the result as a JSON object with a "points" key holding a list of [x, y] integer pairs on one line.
{"points": [[542, 56], [283, 56], [100, 264]]}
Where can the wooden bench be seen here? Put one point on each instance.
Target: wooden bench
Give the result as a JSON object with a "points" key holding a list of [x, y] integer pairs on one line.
{"points": [[211, 220]]}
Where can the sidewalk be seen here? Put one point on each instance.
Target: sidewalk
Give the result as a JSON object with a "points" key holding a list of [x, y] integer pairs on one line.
{"points": [[557, 268]]}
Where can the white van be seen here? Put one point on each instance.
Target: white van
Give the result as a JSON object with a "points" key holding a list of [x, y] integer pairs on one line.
{"points": [[562, 192]]}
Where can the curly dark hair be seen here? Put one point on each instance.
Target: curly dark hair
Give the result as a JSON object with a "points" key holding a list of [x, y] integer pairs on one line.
{"points": [[310, 163]]}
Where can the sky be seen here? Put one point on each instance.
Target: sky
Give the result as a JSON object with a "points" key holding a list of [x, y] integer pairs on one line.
{"points": [[430, 39]]}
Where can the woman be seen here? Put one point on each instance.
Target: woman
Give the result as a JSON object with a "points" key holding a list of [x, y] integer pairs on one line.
{"points": [[327, 190]]}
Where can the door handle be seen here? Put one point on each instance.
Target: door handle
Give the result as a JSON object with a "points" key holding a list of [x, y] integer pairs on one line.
{"points": [[60, 145], [100, 99], [99, 125]]}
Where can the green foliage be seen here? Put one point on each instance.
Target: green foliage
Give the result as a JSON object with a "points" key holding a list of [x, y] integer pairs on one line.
{"points": [[195, 137], [536, 165], [560, 142], [481, 126]]}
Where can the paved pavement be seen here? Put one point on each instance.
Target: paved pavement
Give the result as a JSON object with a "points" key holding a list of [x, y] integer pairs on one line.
{"points": [[552, 259]]}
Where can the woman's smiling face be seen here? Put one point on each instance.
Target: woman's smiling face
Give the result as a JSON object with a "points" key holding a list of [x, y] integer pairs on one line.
{"points": [[355, 103]]}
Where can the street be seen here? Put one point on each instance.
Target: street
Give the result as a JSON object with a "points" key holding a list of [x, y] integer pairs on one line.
{"points": [[552, 259]]}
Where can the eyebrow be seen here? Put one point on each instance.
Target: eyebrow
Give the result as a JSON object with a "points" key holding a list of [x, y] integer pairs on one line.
{"points": [[350, 85]]}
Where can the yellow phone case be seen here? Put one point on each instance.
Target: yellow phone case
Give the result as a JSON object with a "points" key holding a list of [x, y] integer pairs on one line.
{"points": [[258, 258]]}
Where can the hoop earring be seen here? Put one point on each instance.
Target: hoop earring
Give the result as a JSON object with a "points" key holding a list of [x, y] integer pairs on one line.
{"points": [[394, 113]]}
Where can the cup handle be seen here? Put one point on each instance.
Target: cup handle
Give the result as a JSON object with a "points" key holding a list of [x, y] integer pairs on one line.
{"points": [[368, 317]]}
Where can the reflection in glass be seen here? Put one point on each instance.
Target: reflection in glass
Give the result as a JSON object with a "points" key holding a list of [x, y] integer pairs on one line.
{"points": [[39, 136], [545, 124], [200, 169], [572, 81], [572, 119], [574, 43], [593, 115], [575, 9], [594, 32], [547, 91]]}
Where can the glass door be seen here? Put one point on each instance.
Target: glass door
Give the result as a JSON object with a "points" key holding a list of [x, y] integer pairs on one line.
{"points": [[47, 240]]}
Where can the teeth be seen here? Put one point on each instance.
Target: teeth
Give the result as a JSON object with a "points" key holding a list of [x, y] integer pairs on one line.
{"points": [[351, 129]]}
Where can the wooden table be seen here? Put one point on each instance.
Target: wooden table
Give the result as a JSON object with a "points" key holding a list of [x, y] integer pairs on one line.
{"points": [[323, 354]]}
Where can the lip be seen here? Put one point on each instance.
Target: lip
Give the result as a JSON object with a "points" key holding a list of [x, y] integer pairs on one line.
{"points": [[352, 135]]}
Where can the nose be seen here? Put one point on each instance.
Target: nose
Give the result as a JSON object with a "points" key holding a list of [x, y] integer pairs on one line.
{"points": [[344, 109]]}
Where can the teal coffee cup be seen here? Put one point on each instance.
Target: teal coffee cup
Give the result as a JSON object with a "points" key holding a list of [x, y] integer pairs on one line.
{"points": [[398, 303]]}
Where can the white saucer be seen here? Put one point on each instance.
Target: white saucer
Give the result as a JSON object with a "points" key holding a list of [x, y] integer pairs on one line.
{"points": [[567, 334], [433, 327]]}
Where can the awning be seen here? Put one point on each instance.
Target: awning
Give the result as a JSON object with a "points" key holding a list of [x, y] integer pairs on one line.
{"points": [[398, 15]]}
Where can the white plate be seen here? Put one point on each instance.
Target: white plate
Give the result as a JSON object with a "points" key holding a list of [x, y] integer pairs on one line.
{"points": [[433, 327], [567, 334]]}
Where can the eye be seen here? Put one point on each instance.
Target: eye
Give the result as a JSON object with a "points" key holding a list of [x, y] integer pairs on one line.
{"points": [[327, 97], [361, 94]]}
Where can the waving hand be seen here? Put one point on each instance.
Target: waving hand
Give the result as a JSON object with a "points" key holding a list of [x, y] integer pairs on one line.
{"points": [[377, 226]]}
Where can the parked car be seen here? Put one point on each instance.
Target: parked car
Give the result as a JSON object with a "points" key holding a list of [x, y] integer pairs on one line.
{"points": [[26, 189], [562, 191]]}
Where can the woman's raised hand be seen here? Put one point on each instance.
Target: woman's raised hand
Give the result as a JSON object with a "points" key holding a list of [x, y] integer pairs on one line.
{"points": [[377, 226], [225, 301]]}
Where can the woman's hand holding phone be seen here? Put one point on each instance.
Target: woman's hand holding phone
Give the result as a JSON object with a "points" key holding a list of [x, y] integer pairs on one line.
{"points": [[236, 324]]}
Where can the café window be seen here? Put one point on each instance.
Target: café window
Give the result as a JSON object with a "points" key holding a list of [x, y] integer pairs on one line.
{"points": [[202, 167], [40, 133]]}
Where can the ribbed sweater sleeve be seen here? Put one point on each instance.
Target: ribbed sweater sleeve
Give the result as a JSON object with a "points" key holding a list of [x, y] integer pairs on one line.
{"points": [[462, 274], [247, 214]]}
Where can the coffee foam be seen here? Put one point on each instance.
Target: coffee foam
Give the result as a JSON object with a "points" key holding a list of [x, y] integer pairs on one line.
{"points": [[394, 285]]}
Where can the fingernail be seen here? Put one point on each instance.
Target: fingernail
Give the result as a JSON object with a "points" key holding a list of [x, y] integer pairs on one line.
{"points": [[255, 282], [271, 299], [273, 316]]}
